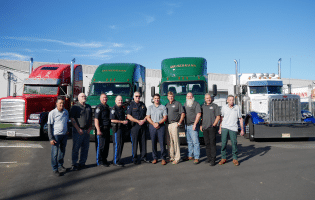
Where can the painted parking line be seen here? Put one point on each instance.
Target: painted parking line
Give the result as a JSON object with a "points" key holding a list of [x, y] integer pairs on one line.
{"points": [[20, 145]]}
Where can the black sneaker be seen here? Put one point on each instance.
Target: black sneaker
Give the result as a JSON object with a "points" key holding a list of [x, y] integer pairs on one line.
{"points": [[82, 166], [62, 169], [207, 161], [74, 168], [119, 164], [212, 163], [145, 161], [56, 173]]}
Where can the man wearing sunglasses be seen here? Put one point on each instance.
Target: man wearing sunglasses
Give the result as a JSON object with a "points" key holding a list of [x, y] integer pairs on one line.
{"points": [[136, 113]]}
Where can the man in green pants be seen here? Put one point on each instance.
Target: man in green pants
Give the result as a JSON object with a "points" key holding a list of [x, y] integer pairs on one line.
{"points": [[230, 115]]}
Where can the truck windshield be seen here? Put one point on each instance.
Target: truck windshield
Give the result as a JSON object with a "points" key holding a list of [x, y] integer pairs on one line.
{"points": [[111, 89], [265, 89], [41, 89], [183, 87]]}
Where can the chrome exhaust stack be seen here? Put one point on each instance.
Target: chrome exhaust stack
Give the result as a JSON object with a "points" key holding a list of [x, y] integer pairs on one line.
{"points": [[279, 67], [31, 66], [72, 79]]}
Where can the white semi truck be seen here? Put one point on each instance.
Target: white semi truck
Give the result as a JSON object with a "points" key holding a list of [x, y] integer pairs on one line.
{"points": [[267, 111]]}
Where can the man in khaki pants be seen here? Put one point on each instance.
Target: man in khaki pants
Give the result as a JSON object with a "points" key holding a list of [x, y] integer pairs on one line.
{"points": [[176, 115]]}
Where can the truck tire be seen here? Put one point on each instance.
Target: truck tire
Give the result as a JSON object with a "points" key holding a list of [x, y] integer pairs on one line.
{"points": [[43, 131], [251, 130], [182, 141]]}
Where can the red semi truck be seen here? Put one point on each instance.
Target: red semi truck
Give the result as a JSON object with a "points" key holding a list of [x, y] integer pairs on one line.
{"points": [[26, 115]]}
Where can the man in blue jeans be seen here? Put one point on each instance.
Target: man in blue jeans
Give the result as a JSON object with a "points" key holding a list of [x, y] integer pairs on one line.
{"points": [[230, 115], [57, 133], [193, 113], [81, 119]]}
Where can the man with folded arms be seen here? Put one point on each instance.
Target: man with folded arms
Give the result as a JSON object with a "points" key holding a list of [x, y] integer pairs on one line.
{"points": [[156, 116]]}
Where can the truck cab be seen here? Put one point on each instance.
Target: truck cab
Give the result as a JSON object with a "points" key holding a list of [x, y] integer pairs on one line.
{"points": [[180, 76], [26, 115], [268, 112], [115, 79]]}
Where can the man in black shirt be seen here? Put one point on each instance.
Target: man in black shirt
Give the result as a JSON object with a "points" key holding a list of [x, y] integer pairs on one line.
{"points": [[81, 118], [136, 113], [117, 116], [102, 126], [210, 119]]}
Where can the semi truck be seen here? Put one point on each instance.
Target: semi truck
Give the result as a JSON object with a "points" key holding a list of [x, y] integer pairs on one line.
{"points": [[268, 112], [116, 79], [180, 76], [26, 115]]}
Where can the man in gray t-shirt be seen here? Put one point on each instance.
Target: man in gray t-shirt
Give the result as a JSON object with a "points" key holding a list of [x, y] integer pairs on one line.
{"points": [[230, 115], [156, 116], [210, 119], [57, 133], [193, 113]]}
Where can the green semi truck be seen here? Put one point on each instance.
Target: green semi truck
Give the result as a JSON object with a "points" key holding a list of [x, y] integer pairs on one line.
{"points": [[183, 75], [116, 79]]}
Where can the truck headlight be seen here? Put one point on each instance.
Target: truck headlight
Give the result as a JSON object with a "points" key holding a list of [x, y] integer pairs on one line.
{"points": [[306, 114], [34, 116], [262, 115]]}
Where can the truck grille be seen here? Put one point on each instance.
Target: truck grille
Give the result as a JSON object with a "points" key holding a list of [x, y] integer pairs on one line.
{"points": [[285, 110], [12, 110]]}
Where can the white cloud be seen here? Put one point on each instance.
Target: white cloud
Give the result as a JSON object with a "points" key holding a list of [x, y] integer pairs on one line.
{"points": [[117, 45], [113, 27], [73, 44], [149, 19], [171, 6], [13, 56]]}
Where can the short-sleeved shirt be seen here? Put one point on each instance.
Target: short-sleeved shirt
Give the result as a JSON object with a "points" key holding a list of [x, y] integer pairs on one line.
{"points": [[157, 113], [102, 113], [209, 113], [117, 113], [174, 111], [230, 117], [59, 120], [137, 110], [191, 112], [82, 114]]}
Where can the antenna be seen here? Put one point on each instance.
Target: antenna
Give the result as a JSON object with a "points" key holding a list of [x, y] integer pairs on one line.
{"points": [[290, 72]]}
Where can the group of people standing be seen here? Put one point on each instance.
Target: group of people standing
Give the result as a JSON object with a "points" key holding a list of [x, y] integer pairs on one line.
{"points": [[161, 121]]}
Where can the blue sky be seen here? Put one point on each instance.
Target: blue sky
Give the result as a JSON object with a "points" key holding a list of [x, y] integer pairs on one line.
{"points": [[257, 33]]}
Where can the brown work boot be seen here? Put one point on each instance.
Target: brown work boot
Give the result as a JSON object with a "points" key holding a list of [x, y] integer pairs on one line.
{"points": [[222, 162], [188, 158], [154, 161], [163, 162], [236, 162]]}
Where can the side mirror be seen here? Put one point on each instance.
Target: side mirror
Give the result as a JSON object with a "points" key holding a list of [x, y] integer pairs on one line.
{"points": [[244, 89], [214, 90], [134, 88], [152, 91], [69, 90], [140, 90], [128, 101]]}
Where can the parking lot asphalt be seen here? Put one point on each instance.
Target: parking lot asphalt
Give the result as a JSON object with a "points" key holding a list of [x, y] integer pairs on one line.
{"points": [[269, 169]]}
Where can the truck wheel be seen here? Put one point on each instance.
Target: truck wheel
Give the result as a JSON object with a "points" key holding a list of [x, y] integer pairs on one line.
{"points": [[246, 135], [182, 141], [251, 130], [44, 131]]}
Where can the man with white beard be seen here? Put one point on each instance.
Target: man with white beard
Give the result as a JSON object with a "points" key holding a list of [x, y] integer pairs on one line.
{"points": [[193, 114]]}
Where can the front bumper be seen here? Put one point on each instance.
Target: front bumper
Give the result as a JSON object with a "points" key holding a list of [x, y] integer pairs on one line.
{"points": [[284, 131], [19, 130]]}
